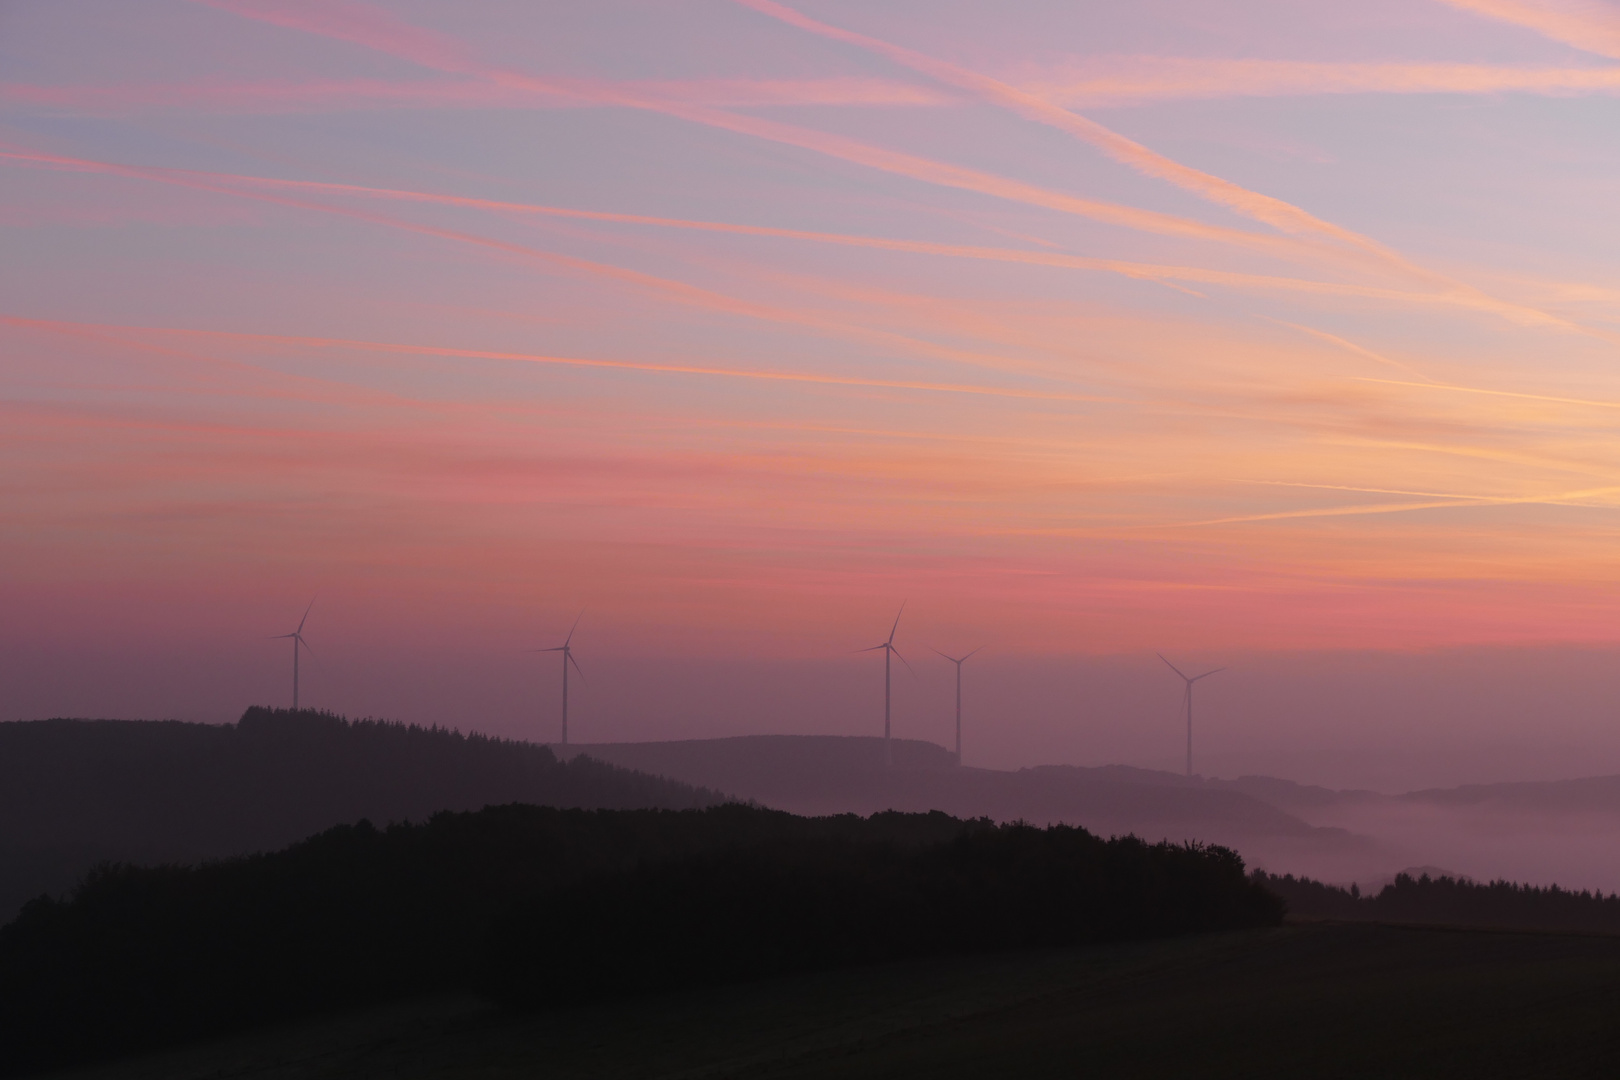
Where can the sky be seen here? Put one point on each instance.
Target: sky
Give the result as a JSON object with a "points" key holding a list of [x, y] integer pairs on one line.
{"points": [[1279, 336]]}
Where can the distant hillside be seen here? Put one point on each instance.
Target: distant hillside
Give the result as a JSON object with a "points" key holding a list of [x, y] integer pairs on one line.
{"points": [[815, 773], [1537, 831], [826, 774], [75, 792], [1591, 794]]}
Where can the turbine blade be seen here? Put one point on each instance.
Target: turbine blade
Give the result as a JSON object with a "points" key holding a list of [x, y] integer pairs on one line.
{"points": [[896, 625], [571, 629], [904, 661], [1205, 675], [554, 648], [952, 659], [874, 648], [305, 619], [569, 658], [305, 644], [1169, 665], [981, 648], [278, 637]]}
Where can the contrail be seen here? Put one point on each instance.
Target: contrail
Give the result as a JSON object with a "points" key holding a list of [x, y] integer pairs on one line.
{"points": [[1351, 487], [378, 31], [1350, 346], [1452, 501], [1164, 274], [1590, 403], [679, 291], [1593, 28], [585, 362], [119, 335], [1165, 78], [442, 54], [1274, 212]]}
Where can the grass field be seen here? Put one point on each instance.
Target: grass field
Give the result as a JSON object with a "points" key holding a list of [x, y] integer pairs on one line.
{"points": [[1306, 1000]]}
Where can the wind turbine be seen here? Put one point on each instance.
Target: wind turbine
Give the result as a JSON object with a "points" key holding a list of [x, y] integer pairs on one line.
{"points": [[958, 664], [297, 640], [1188, 699], [567, 658], [889, 651]]}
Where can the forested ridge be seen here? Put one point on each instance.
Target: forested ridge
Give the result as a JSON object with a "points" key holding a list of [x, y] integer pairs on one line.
{"points": [[1449, 901], [546, 907], [76, 792]]}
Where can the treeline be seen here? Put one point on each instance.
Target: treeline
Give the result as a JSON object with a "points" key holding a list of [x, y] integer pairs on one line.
{"points": [[539, 906], [76, 792], [1450, 901]]}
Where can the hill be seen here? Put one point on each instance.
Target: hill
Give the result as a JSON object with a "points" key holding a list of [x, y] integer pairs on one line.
{"points": [[1541, 831], [1586, 795], [77, 792], [1445, 900], [816, 774], [543, 907]]}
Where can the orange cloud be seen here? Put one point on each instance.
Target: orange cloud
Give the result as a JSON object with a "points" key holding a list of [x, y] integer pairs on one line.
{"points": [[1101, 82], [271, 98], [684, 461], [1588, 25]]}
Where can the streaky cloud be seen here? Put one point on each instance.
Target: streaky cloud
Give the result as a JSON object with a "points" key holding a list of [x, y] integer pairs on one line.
{"points": [[1114, 81], [284, 97], [677, 291], [1587, 25], [1271, 211], [111, 333]]}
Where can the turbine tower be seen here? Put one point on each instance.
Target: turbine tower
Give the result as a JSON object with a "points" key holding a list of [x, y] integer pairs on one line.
{"points": [[958, 664], [567, 658], [1187, 697], [889, 651], [297, 640]]}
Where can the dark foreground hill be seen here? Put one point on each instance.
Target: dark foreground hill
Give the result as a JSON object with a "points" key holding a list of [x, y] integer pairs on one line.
{"points": [[1326, 1001], [544, 907], [76, 792]]}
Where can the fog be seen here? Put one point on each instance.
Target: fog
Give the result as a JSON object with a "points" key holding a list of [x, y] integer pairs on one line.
{"points": [[1573, 850]]}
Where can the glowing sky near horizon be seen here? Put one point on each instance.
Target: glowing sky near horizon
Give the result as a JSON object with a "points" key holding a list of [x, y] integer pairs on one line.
{"points": [[1090, 328]]}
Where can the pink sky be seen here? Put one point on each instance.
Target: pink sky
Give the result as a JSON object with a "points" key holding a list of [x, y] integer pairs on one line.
{"points": [[1278, 334]]}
